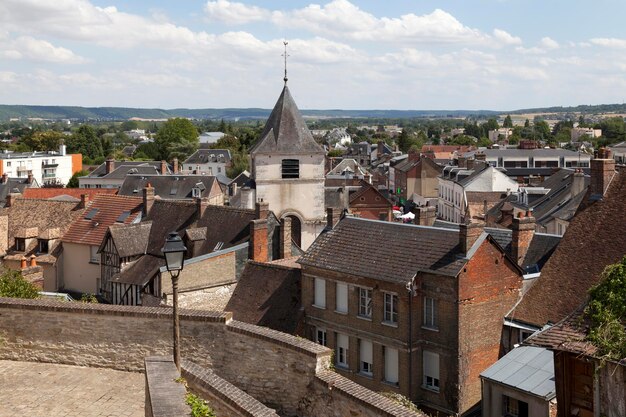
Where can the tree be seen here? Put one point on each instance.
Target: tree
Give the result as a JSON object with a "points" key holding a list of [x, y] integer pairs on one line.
{"points": [[13, 284], [542, 130], [405, 141], [177, 137], [44, 141], [85, 142], [491, 124], [508, 122], [527, 123], [129, 125], [73, 182]]}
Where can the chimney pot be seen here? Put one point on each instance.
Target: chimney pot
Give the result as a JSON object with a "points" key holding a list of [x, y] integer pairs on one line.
{"points": [[23, 262], [33, 260]]}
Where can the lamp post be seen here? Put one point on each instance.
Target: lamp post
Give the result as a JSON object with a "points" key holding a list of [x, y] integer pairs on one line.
{"points": [[174, 252]]}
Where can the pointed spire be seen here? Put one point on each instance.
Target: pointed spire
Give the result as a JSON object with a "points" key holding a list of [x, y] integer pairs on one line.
{"points": [[285, 55]]}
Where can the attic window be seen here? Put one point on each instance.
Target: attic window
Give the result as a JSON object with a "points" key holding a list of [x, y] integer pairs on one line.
{"points": [[123, 217], [195, 192], [91, 214], [43, 246], [219, 246], [173, 190], [20, 244], [291, 168]]}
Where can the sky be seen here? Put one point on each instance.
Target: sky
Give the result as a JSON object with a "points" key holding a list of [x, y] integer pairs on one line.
{"points": [[343, 54]]}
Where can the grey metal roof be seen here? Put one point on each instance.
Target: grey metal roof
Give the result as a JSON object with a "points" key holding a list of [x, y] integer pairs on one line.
{"points": [[493, 153], [285, 131], [205, 156], [526, 368]]}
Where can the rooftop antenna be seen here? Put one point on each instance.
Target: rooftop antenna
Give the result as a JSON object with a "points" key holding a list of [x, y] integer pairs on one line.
{"points": [[285, 55]]}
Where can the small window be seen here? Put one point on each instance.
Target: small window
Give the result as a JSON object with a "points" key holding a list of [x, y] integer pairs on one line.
{"points": [[430, 313], [341, 295], [43, 246], [341, 353], [431, 370], [9, 164], [365, 302], [320, 293], [365, 357], [195, 192], [290, 168], [321, 337], [94, 256], [391, 308], [514, 408], [20, 244], [391, 365]]}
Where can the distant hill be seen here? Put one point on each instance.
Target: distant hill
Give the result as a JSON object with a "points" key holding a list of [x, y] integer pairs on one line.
{"points": [[123, 113]]}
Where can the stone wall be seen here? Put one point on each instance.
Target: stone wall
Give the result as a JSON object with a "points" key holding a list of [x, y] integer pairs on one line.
{"points": [[165, 397], [260, 361]]}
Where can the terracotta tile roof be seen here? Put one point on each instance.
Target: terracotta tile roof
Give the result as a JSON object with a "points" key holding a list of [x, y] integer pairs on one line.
{"points": [[595, 238], [268, 294], [401, 250], [72, 192], [103, 211]]}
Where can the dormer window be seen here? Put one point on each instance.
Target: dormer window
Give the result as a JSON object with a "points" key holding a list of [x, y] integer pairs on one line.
{"points": [[291, 168], [195, 192], [20, 244], [43, 246]]}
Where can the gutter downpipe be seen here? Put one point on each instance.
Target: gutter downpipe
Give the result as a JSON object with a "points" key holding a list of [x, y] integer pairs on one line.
{"points": [[410, 287]]}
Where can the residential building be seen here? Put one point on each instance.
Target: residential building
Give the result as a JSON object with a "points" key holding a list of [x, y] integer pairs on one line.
{"points": [[66, 194], [595, 238], [175, 187], [619, 152], [444, 154], [15, 186], [457, 182], [208, 162], [361, 152], [31, 230], [81, 260], [53, 167], [416, 179], [578, 132], [520, 384], [369, 203], [500, 134], [348, 168], [420, 314], [288, 171], [111, 174]]}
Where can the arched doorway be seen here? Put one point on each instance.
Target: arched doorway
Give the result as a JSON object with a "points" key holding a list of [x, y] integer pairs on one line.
{"points": [[296, 230]]}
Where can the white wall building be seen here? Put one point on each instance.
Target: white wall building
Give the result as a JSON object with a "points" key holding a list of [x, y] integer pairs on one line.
{"points": [[45, 167]]}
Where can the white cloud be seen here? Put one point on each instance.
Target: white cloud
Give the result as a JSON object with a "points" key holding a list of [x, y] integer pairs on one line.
{"points": [[548, 43], [609, 42], [26, 47], [506, 38], [234, 13]]}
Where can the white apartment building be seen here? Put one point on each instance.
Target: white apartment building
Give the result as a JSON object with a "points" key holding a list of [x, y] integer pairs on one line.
{"points": [[45, 167], [578, 132], [534, 158]]}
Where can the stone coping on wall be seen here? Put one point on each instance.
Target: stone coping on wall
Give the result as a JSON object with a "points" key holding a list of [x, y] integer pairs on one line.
{"points": [[165, 397], [112, 310], [296, 343], [205, 380], [368, 398]]}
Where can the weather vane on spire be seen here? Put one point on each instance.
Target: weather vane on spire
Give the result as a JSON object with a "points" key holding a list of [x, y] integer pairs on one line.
{"points": [[285, 55]]}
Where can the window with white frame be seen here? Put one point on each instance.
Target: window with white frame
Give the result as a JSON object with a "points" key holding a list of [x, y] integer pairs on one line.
{"points": [[94, 256], [430, 371], [365, 302], [321, 337], [391, 365], [320, 293], [391, 308], [365, 357], [341, 297], [430, 313], [341, 353]]}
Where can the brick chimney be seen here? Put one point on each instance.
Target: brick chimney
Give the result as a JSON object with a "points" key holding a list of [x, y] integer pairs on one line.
{"points": [[469, 163], [468, 235], [480, 156], [414, 155], [148, 199], [5, 178], [84, 200], [33, 260], [261, 209], [330, 221], [602, 172], [109, 165], [11, 199], [285, 238], [578, 182], [175, 165], [257, 246], [379, 148], [424, 216], [201, 205], [163, 167], [4, 235], [29, 179], [523, 232], [462, 162]]}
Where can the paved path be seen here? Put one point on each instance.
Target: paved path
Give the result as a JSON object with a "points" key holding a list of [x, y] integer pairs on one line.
{"points": [[47, 390]]}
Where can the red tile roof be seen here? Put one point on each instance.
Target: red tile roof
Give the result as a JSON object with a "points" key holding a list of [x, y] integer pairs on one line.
{"points": [[73, 192], [91, 231]]}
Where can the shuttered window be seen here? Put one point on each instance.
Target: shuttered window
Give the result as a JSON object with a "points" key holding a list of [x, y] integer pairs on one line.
{"points": [[431, 370], [365, 356], [391, 365], [341, 297], [320, 293], [342, 350], [290, 168]]}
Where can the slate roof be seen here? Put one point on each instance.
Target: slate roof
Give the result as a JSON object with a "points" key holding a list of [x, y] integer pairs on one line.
{"points": [[401, 250], [13, 185], [595, 238], [130, 239], [285, 131], [349, 164], [539, 251], [206, 156], [268, 294], [141, 271], [103, 211], [525, 368], [491, 153], [122, 168], [74, 193], [169, 186]]}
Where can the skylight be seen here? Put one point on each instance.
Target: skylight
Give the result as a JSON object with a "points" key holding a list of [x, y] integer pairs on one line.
{"points": [[123, 217], [92, 213]]}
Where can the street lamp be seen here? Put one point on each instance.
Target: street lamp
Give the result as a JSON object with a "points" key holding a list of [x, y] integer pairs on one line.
{"points": [[174, 252]]}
